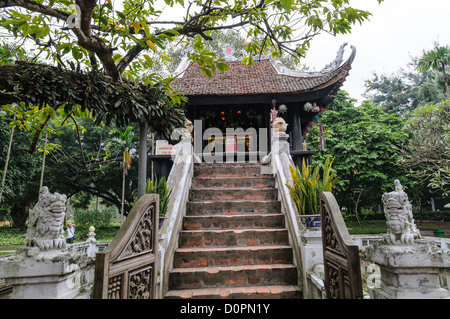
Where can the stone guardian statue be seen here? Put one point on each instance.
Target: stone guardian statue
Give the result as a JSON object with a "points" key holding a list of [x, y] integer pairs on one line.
{"points": [[399, 217], [45, 224]]}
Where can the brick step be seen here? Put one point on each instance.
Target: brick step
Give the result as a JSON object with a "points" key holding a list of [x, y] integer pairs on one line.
{"points": [[219, 276], [233, 243], [233, 237], [232, 207], [265, 181], [232, 256], [233, 221], [228, 170], [233, 194], [249, 292]]}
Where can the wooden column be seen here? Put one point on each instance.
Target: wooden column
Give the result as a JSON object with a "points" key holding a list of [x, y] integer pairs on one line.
{"points": [[296, 133]]}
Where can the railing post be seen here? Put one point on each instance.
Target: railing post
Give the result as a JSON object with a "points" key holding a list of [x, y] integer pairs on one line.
{"points": [[92, 249]]}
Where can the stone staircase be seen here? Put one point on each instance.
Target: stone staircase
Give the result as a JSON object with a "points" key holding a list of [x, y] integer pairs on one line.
{"points": [[234, 243]]}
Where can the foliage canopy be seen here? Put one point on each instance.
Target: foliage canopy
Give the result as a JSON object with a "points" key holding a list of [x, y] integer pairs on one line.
{"points": [[364, 141]]}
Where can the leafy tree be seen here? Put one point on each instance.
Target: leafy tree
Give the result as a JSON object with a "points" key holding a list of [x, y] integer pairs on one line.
{"points": [[432, 90], [118, 32], [101, 49], [438, 60], [401, 92], [18, 190], [364, 142], [83, 167], [428, 153], [21, 184], [396, 93], [167, 63], [123, 143]]}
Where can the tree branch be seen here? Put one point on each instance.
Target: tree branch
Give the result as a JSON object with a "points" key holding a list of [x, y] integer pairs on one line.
{"points": [[86, 7], [36, 7]]}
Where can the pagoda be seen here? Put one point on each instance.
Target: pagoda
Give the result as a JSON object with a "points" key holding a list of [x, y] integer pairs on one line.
{"points": [[252, 96]]}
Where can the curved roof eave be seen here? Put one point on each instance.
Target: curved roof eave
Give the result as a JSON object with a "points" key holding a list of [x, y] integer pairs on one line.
{"points": [[269, 77], [333, 66]]}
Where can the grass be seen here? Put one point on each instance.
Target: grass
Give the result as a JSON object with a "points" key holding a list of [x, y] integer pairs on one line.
{"points": [[10, 240], [367, 227]]}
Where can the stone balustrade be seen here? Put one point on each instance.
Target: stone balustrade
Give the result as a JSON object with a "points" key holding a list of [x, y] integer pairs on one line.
{"points": [[65, 273]]}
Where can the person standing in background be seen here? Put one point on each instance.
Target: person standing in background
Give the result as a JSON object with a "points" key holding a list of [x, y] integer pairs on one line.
{"points": [[70, 233]]}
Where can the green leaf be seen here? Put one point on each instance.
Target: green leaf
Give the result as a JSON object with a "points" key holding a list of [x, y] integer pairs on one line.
{"points": [[148, 60], [287, 4], [121, 15], [146, 30], [206, 72], [76, 53]]}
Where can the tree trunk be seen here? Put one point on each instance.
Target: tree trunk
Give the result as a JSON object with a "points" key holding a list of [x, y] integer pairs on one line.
{"points": [[8, 153], [41, 183], [124, 174], [357, 207], [142, 165], [447, 90]]}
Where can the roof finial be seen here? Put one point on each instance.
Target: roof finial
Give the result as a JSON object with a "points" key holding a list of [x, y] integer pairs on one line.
{"points": [[337, 61]]}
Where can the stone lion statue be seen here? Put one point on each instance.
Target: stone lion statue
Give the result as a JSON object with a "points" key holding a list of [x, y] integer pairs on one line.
{"points": [[45, 224], [398, 212]]}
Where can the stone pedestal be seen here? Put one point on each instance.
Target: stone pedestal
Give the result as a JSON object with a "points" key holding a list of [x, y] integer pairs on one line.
{"points": [[415, 271], [312, 253], [54, 274]]}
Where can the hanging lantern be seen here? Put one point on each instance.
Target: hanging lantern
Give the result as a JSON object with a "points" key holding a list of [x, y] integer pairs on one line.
{"points": [[308, 107], [282, 109]]}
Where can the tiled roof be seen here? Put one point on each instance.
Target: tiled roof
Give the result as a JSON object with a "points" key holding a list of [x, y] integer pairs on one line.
{"points": [[260, 78]]}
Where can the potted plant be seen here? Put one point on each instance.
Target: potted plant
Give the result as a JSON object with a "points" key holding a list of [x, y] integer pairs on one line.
{"points": [[160, 187], [307, 184]]}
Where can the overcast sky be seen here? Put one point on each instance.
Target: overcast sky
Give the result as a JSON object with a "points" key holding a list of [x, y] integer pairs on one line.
{"points": [[397, 30]]}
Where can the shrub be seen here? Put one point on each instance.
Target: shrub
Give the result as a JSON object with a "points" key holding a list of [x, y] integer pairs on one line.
{"points": [[83, 219], [159, 187], [308, 183]]}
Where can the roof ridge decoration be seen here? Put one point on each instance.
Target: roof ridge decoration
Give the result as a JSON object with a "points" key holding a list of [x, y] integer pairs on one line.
{"points": [[277, 64], [179, 72], [333, 66], [228, 53]]}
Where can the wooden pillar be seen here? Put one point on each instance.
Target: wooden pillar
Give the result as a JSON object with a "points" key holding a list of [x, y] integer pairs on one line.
{"points": [[296, 133]]}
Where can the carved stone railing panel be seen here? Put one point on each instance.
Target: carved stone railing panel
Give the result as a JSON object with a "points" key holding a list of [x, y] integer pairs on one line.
{"points": [[340, 253], [126, 269]]}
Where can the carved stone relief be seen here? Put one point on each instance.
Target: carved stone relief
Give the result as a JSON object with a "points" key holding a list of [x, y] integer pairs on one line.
{"points": [[142, 239]]}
